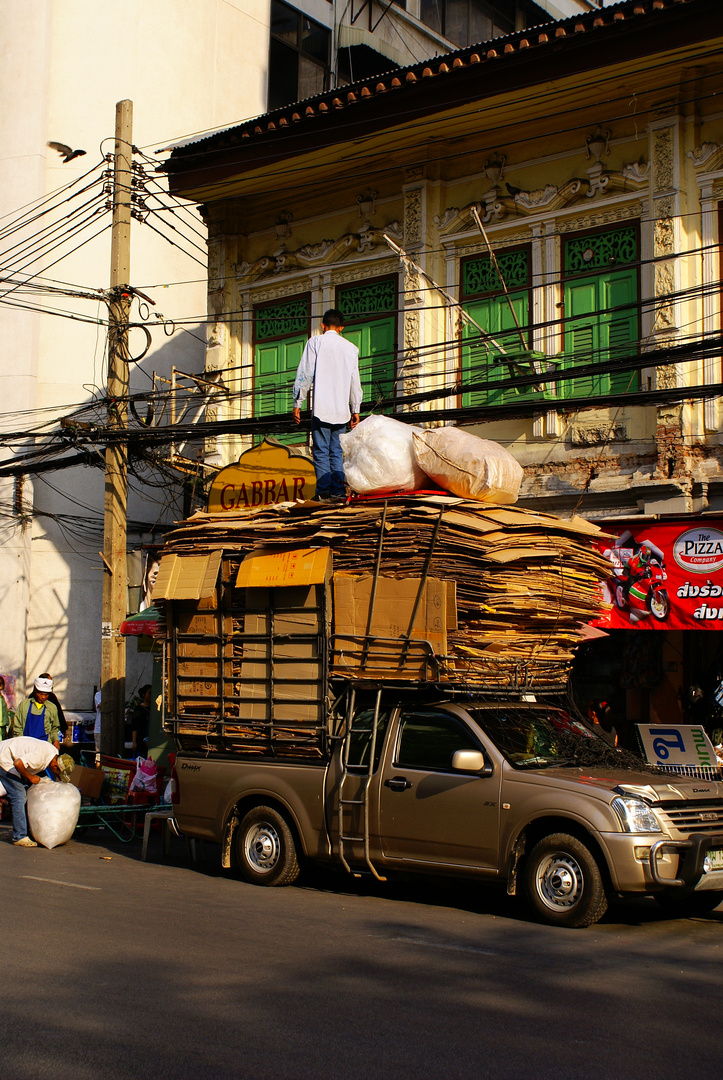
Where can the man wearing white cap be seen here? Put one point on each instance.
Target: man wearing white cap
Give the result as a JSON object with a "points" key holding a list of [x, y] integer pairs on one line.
{"points": [[20, 762], [36, 717]]}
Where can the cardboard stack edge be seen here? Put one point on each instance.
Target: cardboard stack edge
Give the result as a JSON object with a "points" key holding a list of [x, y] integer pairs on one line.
{"points": [[422, 588]]}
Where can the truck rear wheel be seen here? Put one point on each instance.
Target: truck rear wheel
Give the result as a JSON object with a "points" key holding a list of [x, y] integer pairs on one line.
{"points": [[266, 849], [563, 882]]}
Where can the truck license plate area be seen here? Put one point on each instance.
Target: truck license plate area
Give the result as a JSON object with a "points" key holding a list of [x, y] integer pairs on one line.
{"points": [[716, 859]]}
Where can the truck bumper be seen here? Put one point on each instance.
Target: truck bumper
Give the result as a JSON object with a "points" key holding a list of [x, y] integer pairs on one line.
{"points": [[649, 863]]}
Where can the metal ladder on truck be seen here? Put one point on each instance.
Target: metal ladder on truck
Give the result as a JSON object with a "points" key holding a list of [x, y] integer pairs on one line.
{"points": [[362, 799]]}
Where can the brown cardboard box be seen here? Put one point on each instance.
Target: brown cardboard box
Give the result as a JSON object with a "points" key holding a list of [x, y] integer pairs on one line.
{"points": [[300, 566], [88, 781], [393, 606]]}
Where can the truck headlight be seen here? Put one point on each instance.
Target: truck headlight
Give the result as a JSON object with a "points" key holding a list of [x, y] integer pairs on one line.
{"points": [[635, 815]]}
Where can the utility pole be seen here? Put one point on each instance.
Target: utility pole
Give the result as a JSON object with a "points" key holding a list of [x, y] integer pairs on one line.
{"points": [[115, 574]]}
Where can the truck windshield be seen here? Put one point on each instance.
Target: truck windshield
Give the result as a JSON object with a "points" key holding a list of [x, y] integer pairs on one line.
{"points": [[531, 738]]}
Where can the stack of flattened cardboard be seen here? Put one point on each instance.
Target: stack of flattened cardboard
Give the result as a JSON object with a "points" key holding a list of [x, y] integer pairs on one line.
{"points": [[513, 587]]}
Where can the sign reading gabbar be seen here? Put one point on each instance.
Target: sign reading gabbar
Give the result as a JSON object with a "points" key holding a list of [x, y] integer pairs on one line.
{"points": [[666, 576], [265, 475]]}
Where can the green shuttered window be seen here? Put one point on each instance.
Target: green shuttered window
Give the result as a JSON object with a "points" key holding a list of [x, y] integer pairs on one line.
{"points": [[370, 313], [601, 309], [281, 331], [484, 300]]}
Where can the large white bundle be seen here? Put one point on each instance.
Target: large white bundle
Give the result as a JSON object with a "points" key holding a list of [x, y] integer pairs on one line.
{"points": [[53, 810], [468, 466], [378, 456]]}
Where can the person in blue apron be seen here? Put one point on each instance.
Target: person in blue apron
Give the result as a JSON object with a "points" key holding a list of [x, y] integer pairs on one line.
{"points": [[37, 717]]}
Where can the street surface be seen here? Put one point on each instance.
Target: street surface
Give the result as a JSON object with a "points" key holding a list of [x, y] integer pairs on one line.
{"points": [[114, 968]]}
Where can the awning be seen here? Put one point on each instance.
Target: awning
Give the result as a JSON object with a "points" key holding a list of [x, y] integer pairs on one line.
{"points": [[147, 622]]}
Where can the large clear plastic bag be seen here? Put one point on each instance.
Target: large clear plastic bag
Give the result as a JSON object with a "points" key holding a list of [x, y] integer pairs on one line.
{"points": [[467, 466], [378, 456], [52, 810]]}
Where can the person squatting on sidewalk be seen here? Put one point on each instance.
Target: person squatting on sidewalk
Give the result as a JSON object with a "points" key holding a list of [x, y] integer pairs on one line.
{"points": [[21, 760], [331, 365]]}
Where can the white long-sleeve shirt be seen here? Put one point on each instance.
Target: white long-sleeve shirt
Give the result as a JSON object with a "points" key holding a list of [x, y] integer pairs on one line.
{"points": [[331, 365]]}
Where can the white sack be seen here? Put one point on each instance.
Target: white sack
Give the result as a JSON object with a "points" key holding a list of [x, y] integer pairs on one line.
{"points": [[467, 466], [2, 790], [53, 810], [378, 456]]}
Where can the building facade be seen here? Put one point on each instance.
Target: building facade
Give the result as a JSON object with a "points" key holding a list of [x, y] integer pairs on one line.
{"points": [[556, 195], [187, 66]]}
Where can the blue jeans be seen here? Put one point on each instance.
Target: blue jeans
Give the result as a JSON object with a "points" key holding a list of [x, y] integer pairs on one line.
{"points": [[327, 457], [17, 794]]}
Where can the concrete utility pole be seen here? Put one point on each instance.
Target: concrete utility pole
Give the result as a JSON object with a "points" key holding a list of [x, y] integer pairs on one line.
{"points": [[115, 574]]}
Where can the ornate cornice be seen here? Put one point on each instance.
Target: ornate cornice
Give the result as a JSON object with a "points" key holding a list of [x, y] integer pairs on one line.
{"points": [[707, 158], [518, 203], [312, 256]]}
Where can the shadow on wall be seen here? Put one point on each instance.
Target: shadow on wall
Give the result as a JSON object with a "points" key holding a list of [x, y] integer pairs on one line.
{"points": [[66, 570]]}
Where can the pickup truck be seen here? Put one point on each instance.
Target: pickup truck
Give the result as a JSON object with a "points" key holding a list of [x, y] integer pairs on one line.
{"points": [[515, 791]]}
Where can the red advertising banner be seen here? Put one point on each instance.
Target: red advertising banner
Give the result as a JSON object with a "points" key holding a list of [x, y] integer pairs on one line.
{"points": [[667, 576]]}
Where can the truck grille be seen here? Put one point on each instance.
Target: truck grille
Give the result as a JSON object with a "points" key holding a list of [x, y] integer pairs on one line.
{"points": [[693, 817]]}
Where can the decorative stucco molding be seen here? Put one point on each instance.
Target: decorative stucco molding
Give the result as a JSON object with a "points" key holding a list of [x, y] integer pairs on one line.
{"points": [[599, 217], [496, 207], [708, 155], [325, 253]]}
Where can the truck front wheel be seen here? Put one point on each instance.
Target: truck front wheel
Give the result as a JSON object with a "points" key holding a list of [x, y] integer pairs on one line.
{"points": [[265, 848], [563, 882]]}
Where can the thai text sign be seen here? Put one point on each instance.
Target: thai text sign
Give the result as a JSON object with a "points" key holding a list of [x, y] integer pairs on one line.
{"points": [[265, 475], [679, 746], [666, 576]]}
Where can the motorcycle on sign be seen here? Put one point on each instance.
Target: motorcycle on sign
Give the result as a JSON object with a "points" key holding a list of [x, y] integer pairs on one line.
{"points": [[639, 584]]}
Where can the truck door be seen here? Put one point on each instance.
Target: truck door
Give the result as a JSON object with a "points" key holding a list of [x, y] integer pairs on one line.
{"points": [[428, 811]]}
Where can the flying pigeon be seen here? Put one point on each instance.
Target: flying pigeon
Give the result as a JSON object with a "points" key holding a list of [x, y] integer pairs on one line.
{"points": [[65, 151]]}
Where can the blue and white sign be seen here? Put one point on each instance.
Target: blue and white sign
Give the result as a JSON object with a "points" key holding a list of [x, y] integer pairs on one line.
{"points": [[678, 746]]}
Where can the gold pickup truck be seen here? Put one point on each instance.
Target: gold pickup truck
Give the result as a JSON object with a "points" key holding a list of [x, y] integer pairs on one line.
{"points": [[516, 791]]}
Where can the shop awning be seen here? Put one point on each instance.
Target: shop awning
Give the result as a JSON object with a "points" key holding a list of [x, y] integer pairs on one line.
{"points": [[147, 622]]}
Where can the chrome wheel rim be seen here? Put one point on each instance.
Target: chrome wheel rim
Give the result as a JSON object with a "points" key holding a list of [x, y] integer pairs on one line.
{"points": [[262, 847], [559, 881], [659, 606]]}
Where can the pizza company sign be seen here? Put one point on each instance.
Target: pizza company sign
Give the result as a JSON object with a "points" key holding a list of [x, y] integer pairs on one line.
{"points": [[699, 551], [263, 476], [686, 576]]}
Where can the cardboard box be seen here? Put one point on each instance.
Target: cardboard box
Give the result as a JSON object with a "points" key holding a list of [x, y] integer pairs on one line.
{"points": [[393, 606], [88, 781], [300, 566]]}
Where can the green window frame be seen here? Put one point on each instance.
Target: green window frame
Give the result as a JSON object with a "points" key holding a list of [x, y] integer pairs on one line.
{"points": [[484, 299], [601, 291], [281, 330], [370, 315]]}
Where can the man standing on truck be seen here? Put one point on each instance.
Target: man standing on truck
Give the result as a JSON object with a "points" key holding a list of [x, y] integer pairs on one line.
{"points": [[331, 365]]}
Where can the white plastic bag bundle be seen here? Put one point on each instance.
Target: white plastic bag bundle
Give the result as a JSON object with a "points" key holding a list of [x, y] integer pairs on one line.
{"points": [[467, 466], [53, 810], [378, 456]]}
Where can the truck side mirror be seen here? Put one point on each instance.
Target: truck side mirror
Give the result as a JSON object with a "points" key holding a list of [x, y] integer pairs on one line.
{"points": [[471, 761]]}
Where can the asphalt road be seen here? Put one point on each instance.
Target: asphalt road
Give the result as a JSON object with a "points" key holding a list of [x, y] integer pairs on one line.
{"points": [[114, 968]]}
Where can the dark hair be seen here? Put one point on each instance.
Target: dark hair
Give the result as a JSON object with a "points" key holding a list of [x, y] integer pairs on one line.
{"points": [[144, 689], [603, 712], [332, 317]]}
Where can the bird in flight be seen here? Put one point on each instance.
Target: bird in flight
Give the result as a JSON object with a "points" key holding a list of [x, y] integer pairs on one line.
{"points": [[66, 152]]}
